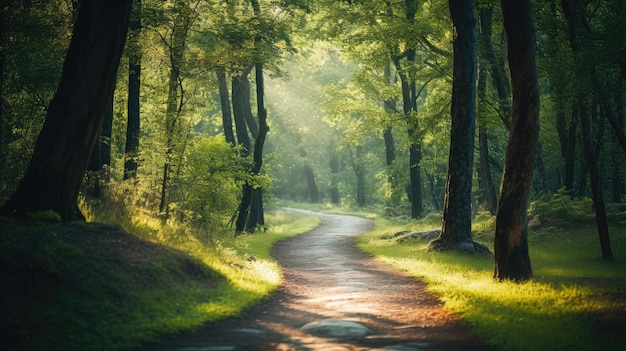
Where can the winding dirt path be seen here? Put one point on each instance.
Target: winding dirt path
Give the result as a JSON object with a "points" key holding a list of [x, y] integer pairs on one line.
{"points": [[327, 277]]}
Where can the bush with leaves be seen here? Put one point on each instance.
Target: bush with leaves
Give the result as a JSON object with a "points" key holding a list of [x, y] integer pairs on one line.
{"points": [[211, 186], [560, 209]]}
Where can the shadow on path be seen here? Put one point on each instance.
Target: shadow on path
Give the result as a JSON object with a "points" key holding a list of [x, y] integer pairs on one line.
{"points": [[327, 280]]}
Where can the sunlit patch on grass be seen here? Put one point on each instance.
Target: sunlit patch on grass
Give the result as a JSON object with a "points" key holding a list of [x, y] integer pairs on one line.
{"points": [[547, 313]]}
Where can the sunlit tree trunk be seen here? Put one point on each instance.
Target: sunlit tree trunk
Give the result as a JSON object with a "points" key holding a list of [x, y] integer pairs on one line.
{"points": [[76, 112], [512, 261], [457, 212], [131, 150]]}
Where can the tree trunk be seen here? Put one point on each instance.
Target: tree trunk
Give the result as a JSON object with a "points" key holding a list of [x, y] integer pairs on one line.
{"points": [[487, 198], [570, 10], [227, 120], [256, 206], [131, 150], [76, 112], [433, 192], [498, 73], [174, 96], [240, 84], [457, 212], [596, 184], [409, 103], [359, 173], [100, 160], [3, 12], [314, 194], [512, 261], [334, 175], [390, 108]]}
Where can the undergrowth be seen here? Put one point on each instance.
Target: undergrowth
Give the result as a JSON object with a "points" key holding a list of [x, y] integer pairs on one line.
{"points": [[92, 286]]}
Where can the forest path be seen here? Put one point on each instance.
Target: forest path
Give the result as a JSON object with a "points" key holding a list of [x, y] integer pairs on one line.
{"points": [[346, 300]]}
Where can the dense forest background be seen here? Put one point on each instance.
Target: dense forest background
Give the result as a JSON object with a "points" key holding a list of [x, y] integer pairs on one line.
{"points": [[357, 96]]}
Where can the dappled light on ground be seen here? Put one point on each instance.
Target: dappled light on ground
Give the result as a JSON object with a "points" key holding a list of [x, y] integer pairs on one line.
{"points": [[346, 300]]}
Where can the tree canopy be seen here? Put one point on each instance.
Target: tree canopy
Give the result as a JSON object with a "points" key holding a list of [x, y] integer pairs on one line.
{"points": [[410, 107]]}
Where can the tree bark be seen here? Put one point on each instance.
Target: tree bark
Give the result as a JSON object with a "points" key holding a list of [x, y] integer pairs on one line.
{"points": [[254, 201], [596, 184], [76, 112], [174, 96], [487, 198], [571, 11], [409, 103], [457, 212], [131, 150], [240, 84], [498, 73], [512, 261], [3, 21], [227, 120]]}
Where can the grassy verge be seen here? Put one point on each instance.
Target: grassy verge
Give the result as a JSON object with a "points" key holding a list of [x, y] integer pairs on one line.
{"points": [[93, 286], [575, 302]]}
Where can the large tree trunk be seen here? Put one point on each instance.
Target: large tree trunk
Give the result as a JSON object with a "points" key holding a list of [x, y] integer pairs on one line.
{"points": [[131, 150], [457, 213], [512, 261], [75, 114]]}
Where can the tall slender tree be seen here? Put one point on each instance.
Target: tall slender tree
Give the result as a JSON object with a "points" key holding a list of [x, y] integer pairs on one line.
{"points": [[131, 152], [75, 114], [457, 214], [251, 206], [572, 10], [512, 261]]}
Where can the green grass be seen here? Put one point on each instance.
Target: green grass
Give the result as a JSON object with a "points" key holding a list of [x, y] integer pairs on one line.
{"points": [[558, 310], [89, 286]]}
